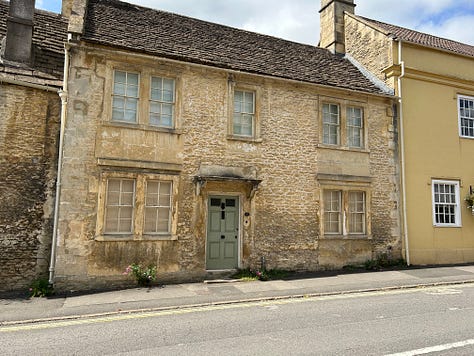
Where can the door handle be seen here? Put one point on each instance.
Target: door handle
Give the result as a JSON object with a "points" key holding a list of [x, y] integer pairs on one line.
{"points": [[222, 236]]}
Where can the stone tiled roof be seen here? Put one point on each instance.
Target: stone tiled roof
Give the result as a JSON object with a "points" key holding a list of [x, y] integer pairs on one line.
{"points": [[422, 38], [49, 35], [135, 28]]}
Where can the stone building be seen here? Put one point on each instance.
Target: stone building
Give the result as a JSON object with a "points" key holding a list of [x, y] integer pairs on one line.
{"points": [[31, 70], [434, 78], [198, 148]]}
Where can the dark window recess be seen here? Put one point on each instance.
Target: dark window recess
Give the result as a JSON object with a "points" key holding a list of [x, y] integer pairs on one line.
{"points": [[215, 202], [230, 202]]}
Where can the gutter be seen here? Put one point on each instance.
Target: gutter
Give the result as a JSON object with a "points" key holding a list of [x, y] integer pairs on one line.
{"points": [[63, 94], [402, 153], [28, 84]]}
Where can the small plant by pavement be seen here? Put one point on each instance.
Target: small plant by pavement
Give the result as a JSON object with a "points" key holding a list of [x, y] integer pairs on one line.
{"points": [[143, 275], [383, 261], [261, 275], [41, 288]]}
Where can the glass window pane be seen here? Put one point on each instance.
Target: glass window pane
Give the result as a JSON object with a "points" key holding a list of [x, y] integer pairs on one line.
{"points": [[157, 83], [130, 116], [156, 94], [158, 206], [168, 96], [168, 85], [238, 96], [151, 219], [332, 212], [155, 107], [162, 92], [125, 94], [118, 102], [119, 205], [166, 109], [132, 91], [131, 104], [119, 89], [120, 77], [446, 203], [132, 78], [165, 187]]}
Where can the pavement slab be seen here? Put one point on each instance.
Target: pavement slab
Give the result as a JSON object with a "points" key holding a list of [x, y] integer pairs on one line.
{"points": [[190, 294]]}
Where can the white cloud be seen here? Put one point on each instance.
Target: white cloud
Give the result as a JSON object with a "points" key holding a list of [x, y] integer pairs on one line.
{"points": [[453, 28]]}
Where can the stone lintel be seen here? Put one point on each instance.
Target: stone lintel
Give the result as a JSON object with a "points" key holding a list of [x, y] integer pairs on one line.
{"points": [[343, 178], [125, 163]]}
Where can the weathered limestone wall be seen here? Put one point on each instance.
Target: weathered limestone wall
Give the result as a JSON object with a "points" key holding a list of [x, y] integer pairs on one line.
{"points": [[370, 47], [283, 216], [29, 126]]}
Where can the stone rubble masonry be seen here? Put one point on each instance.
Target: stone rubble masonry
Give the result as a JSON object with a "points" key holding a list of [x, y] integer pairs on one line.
{"points": [[284, 214], [29, 126], [371, 48]]}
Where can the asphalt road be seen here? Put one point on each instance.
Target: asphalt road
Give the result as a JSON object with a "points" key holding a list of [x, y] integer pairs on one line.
{"points": [[436, 321]]}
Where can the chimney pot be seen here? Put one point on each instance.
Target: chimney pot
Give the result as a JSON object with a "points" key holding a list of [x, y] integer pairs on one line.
{"points": [[19, 39]]}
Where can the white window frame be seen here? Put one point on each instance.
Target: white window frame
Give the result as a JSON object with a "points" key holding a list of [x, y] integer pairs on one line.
{"points": [[327, 125], [351, 213], [158, 207], [119, 206], [125, 97], [139, 207], [146, 107], [329, 211], [468, 116], [345, 212], [456, 204], [342, 124], [162, 102], [360, 129], [242, 113]]}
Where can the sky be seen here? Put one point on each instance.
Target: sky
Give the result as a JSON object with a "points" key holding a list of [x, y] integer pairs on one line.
{"points": [[298, 20]]}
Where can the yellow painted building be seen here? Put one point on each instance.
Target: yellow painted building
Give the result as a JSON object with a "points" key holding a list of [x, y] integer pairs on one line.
{"points": [[434, 79]]}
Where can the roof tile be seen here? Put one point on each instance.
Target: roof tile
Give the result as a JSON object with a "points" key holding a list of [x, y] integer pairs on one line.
{"points": [[423, 39], [159, 33]]}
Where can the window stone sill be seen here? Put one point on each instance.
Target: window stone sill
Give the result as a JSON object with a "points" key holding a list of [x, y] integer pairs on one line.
{"points": [[129, 238], [131, 125], [346, 237], [244, 139], [343, 148]]}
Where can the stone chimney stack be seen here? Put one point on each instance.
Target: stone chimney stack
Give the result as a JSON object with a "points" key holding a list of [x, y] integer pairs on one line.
{"points": [[66, 8], [332, 34], [19, 41]]}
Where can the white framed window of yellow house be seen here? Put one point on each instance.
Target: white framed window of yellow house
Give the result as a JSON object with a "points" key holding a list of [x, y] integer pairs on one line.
{"points": [[343, 125], [446, 203], [137, 206], [345, 212], [143, 98], [466, 116]]}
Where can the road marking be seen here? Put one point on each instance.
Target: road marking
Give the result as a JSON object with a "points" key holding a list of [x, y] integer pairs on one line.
{"points": [[437, 348], [444, 291], [187, 310]]}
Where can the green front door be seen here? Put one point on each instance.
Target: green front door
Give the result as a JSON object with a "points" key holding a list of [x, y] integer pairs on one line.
{"points": [[222, 233]]}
